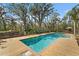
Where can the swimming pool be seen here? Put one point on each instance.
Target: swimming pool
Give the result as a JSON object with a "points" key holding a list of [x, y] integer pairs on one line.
{"points": [[40, 42]]}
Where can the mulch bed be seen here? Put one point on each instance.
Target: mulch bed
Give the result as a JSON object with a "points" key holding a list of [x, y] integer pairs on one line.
{"points": [[9, 35]]}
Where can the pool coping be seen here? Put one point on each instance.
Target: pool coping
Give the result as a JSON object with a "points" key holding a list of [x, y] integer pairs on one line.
{"points": [[71, 35]]}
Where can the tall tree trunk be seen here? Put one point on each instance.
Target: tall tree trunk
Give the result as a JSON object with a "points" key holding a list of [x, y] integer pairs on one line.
{"points": [[4, 24], [57, 26], [40, 21], [74, 28], [25, 25], [77, 28]]}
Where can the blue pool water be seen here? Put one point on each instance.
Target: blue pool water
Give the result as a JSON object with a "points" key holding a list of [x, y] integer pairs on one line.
{"points": [[39, 43]]}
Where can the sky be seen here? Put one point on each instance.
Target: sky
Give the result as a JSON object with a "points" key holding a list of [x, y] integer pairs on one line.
{"points": [[62, 8]]}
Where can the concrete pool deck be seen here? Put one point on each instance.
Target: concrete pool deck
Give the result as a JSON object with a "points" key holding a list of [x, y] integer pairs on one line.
{"points": [[61, 47]]}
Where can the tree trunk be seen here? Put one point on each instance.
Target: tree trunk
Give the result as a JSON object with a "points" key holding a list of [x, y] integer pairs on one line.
{"points": [[4, 23], [77, 28], [25, 25], [40, 22], [74, 28], [57, 26]]}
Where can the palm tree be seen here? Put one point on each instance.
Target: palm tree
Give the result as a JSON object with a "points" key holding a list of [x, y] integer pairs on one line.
{"points": [[74, 17]]}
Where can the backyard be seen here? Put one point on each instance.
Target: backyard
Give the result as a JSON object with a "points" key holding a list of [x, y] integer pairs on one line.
{"points": [[38, 24]]}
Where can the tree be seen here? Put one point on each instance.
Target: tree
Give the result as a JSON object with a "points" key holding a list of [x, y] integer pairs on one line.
{"points": [[64, 21], [40, 11], [74, 14], [54, 21], [2, 17], [21, 10]]}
